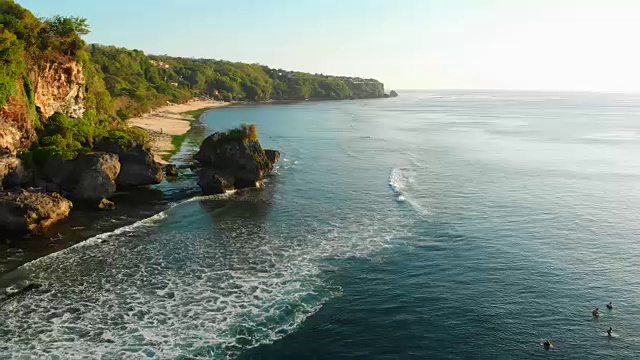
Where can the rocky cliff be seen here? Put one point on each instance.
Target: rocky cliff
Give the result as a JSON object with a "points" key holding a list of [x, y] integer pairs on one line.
{"points": [[365, 88], [59, 87], [55, 86]]}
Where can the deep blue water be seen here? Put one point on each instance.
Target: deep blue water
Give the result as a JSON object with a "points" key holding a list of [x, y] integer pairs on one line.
{"points": [[433, 225]]}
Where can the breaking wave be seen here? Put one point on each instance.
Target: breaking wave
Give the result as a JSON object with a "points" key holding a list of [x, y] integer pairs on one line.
{"points": [[193, 284]]}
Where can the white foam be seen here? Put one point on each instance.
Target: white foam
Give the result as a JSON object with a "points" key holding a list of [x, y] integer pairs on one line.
{"points": [[399, 180], [152, 220], [198, 292]]}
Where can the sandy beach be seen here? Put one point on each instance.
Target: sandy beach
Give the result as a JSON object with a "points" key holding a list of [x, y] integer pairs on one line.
{"points": [[168, 121]]}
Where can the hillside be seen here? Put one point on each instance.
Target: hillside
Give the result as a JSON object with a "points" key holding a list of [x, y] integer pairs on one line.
{"points": [[138, 82], [58, 95]]}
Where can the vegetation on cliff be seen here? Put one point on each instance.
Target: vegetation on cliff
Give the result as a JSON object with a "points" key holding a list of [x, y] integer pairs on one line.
{"points": [[31, 47], [116, 84], [138, 82]]}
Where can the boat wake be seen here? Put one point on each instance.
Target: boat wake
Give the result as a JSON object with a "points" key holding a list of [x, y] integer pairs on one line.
{"points": [[400, 180]]}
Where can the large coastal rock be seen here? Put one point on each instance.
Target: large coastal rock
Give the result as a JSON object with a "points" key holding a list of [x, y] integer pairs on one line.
{"points": [[215, 181], [31, 212], [93, 177], [232, 160], [137, 166], [393, 93], [272, 155]]}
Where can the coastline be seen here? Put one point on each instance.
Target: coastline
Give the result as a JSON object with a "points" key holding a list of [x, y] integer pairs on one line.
{"points": [[133, 205], [168, 125]]}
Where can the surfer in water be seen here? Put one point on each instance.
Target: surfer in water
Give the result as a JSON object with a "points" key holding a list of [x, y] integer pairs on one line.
{"points": [[547, 345], [596, 312], [609, 331], [609, 306]]}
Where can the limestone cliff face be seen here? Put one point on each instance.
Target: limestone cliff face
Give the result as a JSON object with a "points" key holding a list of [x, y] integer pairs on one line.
{"points": [[16, 131], [59, 87], [56, 86]]}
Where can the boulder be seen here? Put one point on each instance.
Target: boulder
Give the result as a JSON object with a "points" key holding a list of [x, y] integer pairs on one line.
{"points": [[171, 170], [93, 177], [137, 164], [232, 160], [386, 96], [106, 205], [393, 93], [272, 155], [212, 181], [18, 175], [56, 170], [23, 211]]}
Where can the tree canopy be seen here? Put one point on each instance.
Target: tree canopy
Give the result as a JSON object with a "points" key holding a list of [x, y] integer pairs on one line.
{"points": [[123, 83]]}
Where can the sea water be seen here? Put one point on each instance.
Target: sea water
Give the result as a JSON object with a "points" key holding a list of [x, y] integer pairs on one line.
{"points": [[442, 224]]}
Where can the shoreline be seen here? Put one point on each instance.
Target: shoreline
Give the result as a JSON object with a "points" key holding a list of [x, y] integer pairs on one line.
{"points": [[168, 125], [134, 205]]}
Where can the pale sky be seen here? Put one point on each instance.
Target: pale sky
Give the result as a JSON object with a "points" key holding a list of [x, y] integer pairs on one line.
{"points": [[407, 44]]}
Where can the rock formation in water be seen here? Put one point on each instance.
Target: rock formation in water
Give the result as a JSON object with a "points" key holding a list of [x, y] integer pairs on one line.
{"points": [[233, 160], [171, 170], [23, 211], [393, 93], [272, 155]]}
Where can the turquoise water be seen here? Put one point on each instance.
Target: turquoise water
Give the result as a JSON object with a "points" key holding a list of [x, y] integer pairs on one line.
{"points": [[433, 225]]}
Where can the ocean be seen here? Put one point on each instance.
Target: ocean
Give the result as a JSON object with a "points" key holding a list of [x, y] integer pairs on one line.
{"points": [[435, 225]]}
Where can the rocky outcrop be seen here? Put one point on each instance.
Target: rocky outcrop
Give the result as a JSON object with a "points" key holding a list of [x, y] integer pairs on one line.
{"points": [[171, 170], [106, 205], [232, 160], [272, 155], [59, 87], [56, 170], [55, 86], [93, 177], [13, 173], [137, 166], [393, 93], [365, 88], [215, 181], [23, 211]]}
